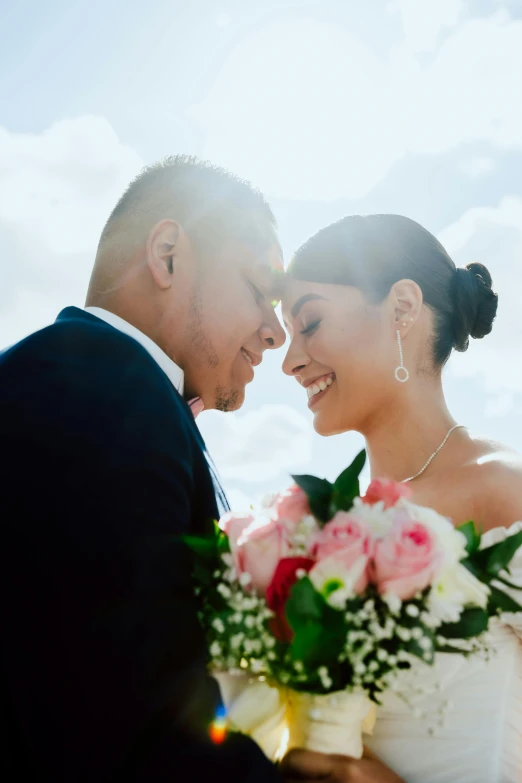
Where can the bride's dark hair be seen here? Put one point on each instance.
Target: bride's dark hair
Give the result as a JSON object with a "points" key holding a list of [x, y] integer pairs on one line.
{"points": [[373, 252]]}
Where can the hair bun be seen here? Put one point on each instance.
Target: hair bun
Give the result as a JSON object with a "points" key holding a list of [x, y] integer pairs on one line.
{"points": [[475, 304]]}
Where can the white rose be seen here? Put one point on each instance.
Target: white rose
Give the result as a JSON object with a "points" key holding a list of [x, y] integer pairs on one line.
{"points": [[455, 589], [335, 581], [378, 518]]}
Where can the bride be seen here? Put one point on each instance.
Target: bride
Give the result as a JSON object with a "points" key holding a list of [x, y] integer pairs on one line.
{"points": [[374, 306]]}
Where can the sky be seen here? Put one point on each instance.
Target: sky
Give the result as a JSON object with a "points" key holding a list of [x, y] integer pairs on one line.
{"points": [[331, 107]]}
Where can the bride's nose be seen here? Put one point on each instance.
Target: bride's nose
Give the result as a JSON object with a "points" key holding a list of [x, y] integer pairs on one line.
{"points": [[295, 360]]}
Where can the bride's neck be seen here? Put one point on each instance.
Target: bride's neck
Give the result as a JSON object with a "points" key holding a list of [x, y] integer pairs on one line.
{"points": [[400, 440]]}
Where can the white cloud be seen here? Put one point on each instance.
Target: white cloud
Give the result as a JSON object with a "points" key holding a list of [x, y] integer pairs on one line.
{"points": [[260, 446], [422, 22], [322, 117], [493, 236], [476, 166], [57, 188]]}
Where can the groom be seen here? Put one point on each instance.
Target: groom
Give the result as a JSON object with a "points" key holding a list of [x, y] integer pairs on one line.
{"points": [[103, 674]]}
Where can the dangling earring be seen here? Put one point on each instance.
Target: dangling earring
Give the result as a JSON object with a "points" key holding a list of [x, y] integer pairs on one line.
{"points": [[401, 373]]}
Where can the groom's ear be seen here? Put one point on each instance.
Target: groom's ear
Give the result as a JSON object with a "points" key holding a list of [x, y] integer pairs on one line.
{"points": [[161, 252]]}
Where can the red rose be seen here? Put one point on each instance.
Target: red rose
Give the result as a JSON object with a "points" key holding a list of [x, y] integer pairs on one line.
{"points": [[278, 593]]}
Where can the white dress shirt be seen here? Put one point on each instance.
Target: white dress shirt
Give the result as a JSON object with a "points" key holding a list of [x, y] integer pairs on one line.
{"points": [[172, 371]]}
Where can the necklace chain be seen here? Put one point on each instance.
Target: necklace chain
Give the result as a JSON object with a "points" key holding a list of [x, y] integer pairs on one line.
{"points": [[430, 460]]}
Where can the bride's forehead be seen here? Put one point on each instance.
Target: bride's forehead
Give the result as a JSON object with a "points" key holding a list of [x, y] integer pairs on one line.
{"points": [[294, 290]]}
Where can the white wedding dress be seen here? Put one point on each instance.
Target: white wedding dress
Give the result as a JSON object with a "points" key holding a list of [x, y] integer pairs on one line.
{"points": [[480, 738]]}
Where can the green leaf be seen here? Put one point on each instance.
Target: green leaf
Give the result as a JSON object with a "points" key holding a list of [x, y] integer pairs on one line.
{"points": [[500, 555], [313, 644], [222, 540], [307, 643], [304, 605], [346, 486], [501, 600], [476, 564], [319, 493], [202, 546], [472, 622], [448, 648], [472, 536]]}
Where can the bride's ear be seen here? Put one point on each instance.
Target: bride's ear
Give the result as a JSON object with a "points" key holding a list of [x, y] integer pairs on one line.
{"points": [[406, 303]]}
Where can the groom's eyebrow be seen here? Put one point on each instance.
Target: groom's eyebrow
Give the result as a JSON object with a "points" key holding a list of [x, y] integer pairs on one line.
{"points": [[294, 312]]}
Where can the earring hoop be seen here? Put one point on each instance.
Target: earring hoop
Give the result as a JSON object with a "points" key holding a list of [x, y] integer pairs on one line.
{"points": [[401, 373]]}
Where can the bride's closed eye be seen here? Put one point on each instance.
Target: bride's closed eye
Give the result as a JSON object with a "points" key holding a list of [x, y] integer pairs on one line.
{"points": [[311, 328]]}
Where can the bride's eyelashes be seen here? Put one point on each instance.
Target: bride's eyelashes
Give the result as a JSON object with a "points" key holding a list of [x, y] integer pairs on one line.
{"points": [[311, 328]]}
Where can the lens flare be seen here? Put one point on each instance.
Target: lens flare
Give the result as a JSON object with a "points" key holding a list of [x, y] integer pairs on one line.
{"points": [[219, 727]]}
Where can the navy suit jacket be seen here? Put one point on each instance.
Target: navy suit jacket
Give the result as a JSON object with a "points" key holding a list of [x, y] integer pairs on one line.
{"points": [[103, 661]]}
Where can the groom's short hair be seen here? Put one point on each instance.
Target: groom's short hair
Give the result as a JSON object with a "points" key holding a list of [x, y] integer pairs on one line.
{"points": [[211, 204]]}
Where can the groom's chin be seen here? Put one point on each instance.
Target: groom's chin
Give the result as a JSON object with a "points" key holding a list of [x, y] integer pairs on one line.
{"points": [[228, 400]]}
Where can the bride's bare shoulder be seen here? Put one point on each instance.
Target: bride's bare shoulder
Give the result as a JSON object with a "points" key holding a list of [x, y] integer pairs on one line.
{"points": [[497, 476]]}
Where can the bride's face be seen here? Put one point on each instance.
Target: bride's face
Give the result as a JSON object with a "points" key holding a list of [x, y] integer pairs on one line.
{"points": [[342, 352]]}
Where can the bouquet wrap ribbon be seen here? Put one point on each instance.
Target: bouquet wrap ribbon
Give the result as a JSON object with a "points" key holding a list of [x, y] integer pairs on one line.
{"points": [[279, 718]]}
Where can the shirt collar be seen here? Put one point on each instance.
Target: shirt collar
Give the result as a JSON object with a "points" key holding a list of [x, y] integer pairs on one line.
{"points": [[170, 368]]}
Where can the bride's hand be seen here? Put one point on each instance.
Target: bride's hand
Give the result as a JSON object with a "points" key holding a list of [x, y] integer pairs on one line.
{"points": [[304, 765]]}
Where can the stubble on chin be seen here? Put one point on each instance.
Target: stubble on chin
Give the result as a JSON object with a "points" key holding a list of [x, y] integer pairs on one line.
{"points": [[227, 399]]}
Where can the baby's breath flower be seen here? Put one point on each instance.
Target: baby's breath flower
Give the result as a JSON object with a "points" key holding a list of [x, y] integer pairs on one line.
{"points": [[237, 640], [224, 590], [425, 643], [215, 649]]}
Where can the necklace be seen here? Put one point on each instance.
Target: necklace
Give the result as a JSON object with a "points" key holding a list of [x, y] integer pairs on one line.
{"points": [[430, 460]]}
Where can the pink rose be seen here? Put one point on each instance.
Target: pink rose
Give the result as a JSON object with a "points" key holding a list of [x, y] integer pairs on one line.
{"points": [[258, 551], [234, 524], [347, 539], [292, 504], [390, 492], [406, 560]]}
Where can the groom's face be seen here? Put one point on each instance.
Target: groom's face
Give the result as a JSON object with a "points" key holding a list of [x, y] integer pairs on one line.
{"points": [[231, 322]]}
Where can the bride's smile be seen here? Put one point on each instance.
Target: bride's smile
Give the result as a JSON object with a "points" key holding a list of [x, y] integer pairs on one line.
{"points": [[316, 388]]}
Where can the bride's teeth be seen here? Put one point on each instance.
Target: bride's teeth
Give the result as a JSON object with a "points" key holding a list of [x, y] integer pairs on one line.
{"points": [[321, 386]]}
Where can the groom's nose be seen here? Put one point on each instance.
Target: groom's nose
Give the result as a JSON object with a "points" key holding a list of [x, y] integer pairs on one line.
{"points": [[272, 333]]}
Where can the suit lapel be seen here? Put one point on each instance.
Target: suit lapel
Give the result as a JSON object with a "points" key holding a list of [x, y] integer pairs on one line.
{"points": [[72, 313]]}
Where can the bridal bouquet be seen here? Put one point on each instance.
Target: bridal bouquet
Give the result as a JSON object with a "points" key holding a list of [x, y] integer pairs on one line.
{"points": [[314, 604]]}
